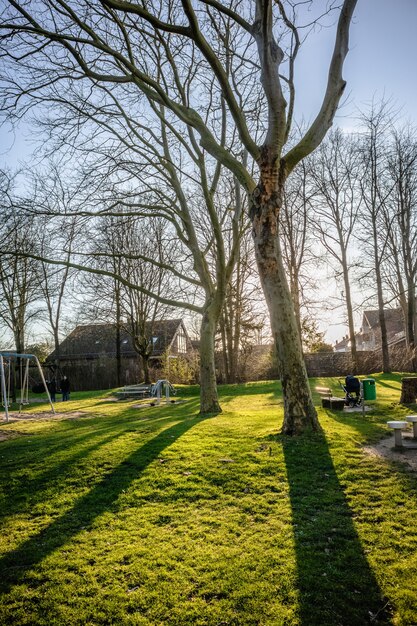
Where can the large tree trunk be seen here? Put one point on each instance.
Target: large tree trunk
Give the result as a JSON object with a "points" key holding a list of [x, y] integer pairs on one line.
{"points": [[145, 365], [209, 401], [299, 412]]}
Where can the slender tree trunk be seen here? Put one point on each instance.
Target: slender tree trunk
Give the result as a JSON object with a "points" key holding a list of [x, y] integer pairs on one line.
{"points": [[236, 348], [299, 412], [225, 347], [118, 339], [386, 368], [209, 401], [349, 309], [411, 312], [20, 347], [118, 356], [231, 326]]}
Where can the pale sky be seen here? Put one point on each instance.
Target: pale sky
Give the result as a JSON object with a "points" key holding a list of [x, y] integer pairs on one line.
{"points": [[381, 62], [381, 59]]}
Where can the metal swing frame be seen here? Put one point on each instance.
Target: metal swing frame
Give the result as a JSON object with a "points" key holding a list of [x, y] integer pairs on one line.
{"points": [[16, 355]]}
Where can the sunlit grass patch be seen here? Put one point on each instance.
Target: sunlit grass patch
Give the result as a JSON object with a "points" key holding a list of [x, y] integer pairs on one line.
{"points": [[157, 516]]}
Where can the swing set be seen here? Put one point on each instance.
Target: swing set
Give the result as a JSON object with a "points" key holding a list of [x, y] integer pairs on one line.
{"points": [[7, 359]]}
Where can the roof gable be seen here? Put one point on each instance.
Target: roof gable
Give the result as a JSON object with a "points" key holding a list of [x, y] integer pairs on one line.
{"points": [[94, 340]]}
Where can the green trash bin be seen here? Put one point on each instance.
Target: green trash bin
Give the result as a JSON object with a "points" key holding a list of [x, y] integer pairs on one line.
{"points": [[369, 389]]}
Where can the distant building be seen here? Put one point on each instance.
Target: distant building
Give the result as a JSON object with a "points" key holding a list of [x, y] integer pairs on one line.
{"points": [[88, 355], [369, 336], [343, 345]]}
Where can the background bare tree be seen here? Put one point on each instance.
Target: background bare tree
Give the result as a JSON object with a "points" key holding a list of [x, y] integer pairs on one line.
{"points": [[375, 195], [56, 238], [402, 239], [336, 202], [19, 276], [298, 240]]}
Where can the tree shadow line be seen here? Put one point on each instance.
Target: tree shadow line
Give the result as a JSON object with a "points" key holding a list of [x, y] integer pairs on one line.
{"points": [[335, 582], [97, 501]]}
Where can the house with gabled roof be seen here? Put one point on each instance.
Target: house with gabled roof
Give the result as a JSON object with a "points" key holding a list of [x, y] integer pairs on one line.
{"points": [[369, 336], [89, 355]]}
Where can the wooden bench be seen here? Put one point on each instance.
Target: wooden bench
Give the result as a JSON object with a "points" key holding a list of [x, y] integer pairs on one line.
{"points": [[328, 401]]}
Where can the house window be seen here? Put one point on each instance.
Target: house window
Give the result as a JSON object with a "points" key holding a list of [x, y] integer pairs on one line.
{"points": [[181, 342]]}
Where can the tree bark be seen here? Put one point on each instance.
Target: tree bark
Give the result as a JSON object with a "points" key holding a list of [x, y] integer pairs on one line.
{"points": [[408, 390], [57, 348], [386, 368], [209, 401], [118, 335], [411, 311], [145, 365], [299, 412], [349, 309], [20, 348]]}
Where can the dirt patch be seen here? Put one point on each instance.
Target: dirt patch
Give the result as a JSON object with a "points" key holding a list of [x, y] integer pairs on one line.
{"points": [[385, 449], [46, 415]]}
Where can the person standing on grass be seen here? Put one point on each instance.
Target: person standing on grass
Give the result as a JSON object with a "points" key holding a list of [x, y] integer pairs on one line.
{"points": [[65, 389], [51, 384]]}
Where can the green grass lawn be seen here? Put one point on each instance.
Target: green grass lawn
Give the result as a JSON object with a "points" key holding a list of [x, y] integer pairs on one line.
{"points": [[156, 516]]}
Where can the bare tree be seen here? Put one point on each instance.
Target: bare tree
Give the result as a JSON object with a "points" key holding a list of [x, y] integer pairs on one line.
{"points": [[19, 276], [336, 206], [297, 239], [243, 314], [402, 165], [139, 310], [150, 49], [375, 194], [57, 238], [100, 295]]}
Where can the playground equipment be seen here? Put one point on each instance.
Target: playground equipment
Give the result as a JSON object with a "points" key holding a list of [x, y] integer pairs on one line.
{"points": [[6, 360], [148, 391], [157, 390]]}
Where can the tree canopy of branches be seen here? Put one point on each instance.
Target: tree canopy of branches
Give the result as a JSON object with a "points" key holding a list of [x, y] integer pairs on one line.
{"points": [[209, 71]]}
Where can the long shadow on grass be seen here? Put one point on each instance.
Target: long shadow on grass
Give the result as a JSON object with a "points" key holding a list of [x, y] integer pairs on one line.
{"points": [[335, 582], [30, 491], [26, 492], [101, 498]]}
